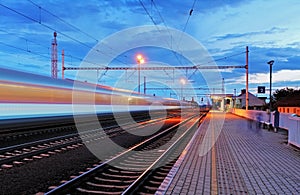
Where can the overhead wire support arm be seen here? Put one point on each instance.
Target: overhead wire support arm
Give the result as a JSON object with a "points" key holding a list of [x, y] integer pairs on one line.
{"points": [[186, 88], [155, 67]]}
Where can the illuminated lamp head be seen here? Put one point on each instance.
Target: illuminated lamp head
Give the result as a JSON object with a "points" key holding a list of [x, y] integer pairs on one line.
{"points": [[140, 59]]}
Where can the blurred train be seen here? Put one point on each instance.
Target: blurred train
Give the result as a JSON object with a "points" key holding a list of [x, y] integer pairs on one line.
{"points": [[25, 95]]}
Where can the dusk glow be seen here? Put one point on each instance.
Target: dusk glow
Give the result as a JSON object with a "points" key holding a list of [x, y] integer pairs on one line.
{"points": [[269, 28]]}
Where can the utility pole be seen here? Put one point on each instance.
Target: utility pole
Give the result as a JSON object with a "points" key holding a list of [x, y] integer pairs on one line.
{"points": [[234, 105], [63, 64], [247, 79], [144, 85], [140, 60], [223, 86], [271, 64], [54, 57]]}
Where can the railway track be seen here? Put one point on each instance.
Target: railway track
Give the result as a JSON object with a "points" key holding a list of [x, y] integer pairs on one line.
{"points": [[33, 129], [26, 152], [140, 169]]}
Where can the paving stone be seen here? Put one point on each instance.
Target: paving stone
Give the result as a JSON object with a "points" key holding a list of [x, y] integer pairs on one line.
{"points": [[245, 160]]}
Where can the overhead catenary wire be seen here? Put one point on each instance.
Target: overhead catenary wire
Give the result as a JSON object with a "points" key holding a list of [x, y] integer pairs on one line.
{"points": [[156, 25], [49, 27], [67, 23], [25, 39], [189, 16], [40, 21], [184, 29], [187, 21], [43, 46], [171, 37], [25, 50], [60, 19], [80, 59], [212, 61], [224, 58], [153, 21], [60, 32]]}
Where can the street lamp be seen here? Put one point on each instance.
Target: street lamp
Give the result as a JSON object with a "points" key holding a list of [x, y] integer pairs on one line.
{"points": [[270, 106], [140, 60], [182, 81]]}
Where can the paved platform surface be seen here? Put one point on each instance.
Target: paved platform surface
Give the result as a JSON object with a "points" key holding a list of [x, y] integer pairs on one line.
{"points": [[229, 155]]}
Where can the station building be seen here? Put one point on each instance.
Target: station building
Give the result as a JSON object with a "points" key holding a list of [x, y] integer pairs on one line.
{"points": [[224, 102], [255, 103]]}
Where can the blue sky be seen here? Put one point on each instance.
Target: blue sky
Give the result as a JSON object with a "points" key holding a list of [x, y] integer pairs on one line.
{"points": [[270, 28]]}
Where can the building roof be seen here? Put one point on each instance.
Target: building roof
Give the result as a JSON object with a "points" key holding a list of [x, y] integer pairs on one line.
{"points": [[253, 100], [222, 95]]}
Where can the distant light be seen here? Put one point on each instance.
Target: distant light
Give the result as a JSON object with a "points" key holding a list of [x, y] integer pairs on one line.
{"points": [[182, 81]]}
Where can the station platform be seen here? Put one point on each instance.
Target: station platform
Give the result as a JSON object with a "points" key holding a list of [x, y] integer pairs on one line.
{"points": [[230, 155]]}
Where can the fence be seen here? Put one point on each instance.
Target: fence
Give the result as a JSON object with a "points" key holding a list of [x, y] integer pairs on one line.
{"points": [[286, 121]]}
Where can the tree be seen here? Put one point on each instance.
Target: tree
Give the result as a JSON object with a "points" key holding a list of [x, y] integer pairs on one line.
{"points": [[285, 96]]}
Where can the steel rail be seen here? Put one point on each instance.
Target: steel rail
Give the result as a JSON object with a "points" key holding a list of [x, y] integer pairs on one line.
{"points": [[77, 180]]}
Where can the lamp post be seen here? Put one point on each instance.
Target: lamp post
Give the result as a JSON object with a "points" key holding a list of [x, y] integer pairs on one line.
{"points": [[140, 60], [270, 106], [234, 105], [182, 81]]}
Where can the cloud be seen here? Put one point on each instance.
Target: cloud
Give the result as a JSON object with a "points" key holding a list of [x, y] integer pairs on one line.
{"points": [[280, 76], [223, 27], [273, 30]]}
